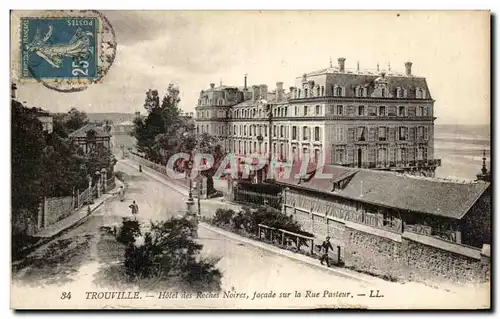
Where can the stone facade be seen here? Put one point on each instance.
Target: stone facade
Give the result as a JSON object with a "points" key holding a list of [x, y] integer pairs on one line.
{"points": [[358, 118], [403, 246]]}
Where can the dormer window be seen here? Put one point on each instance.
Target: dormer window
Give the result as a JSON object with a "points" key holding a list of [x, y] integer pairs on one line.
{"points": [[338, 91], [382, 92], [359, 91], [420, 93], [399, 92]]}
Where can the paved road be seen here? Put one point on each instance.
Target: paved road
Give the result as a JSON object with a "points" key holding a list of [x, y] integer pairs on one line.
{"points": [[75, 260]]}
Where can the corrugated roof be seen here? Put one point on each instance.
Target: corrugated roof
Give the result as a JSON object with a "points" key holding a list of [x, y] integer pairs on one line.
{"points": [[426, 195], [82, 132]]}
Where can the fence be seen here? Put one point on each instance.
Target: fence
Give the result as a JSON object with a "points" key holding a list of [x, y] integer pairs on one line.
{"points": [[285, 237], [246, 196], [83, 198], [158, 168], [110, 183]]}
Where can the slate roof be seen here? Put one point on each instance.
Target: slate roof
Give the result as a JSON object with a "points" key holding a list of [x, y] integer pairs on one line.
{"points": [[82, 132], [350, 80], [271, 98], [425, 195]]}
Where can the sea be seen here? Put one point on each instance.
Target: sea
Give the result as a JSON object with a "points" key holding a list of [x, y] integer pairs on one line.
{"points": [[460, 148]]}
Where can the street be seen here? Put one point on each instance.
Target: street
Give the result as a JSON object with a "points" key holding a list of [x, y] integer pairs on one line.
{"points": [[75, 261]]}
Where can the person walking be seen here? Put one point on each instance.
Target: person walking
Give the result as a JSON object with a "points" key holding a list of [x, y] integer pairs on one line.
{"points": [[326, 246], [134, 208], [121, 193]]}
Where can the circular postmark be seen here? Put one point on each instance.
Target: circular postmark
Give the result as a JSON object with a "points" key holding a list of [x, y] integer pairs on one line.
{"points": [[75, 49]]}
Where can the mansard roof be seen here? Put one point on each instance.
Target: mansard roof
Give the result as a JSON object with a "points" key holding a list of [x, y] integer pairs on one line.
{"points": [[450, 199], [352, 79]]}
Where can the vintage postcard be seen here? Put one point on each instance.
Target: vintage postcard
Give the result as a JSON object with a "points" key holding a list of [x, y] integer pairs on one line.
{"points": [[250, 160]]}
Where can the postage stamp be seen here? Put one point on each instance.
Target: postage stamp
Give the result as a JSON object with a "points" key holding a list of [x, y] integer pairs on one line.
{"points": [[63, 50], [59, 47]]}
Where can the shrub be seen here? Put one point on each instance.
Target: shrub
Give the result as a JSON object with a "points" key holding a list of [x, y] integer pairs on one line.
{"points": [[223, 216], [167, 249], [128, 231]]}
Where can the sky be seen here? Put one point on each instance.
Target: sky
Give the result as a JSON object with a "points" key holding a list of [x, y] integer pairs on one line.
{"points": [[194, 48]]}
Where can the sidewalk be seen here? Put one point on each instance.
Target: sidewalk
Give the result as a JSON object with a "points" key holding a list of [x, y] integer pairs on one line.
{"points": [[213, 204], [76, 217]]}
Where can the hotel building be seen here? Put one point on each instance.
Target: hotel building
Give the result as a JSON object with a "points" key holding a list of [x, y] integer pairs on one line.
{"points": [[377, 119]]}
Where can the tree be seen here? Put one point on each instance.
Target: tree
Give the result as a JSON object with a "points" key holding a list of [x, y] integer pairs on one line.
{"points": [[28, 143], [167, 250], [75, 119], [156, 133], [204, 143]]}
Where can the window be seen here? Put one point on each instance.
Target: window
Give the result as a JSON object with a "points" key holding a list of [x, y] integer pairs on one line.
{"points": [[299, 93], [361, 136], [361, 110], [250, 130], [274, 130], [305, 110], [401, 111], [403, 155], [359, 91], [282, 131], [316, 156], [322, 90], [294, 153], [317, 91], [420, 132], [338, 91], [296, 111], [265, 130], [403, 130], [305, 133], [383, 92], [316, 133], [294, 132], [424, 111], [340, 110], [245, 130], [382, 133], [339, 134], [318, 110], [286, 111], [381, 111], [382, 155], [339, 156], [305, 93], [399, 92]]}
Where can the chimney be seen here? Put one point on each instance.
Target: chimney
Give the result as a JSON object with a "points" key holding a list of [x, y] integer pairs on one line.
{"points": [[408, 68], [212, 85], [279, 92], [245, 86], [341, 64], [255, 92], [263, 91]]}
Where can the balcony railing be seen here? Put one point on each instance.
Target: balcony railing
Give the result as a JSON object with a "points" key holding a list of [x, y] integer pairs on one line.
{"points": [[394, 164]]}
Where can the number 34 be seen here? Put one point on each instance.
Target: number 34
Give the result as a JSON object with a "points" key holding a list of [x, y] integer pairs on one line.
{"points": [[80, 68]]}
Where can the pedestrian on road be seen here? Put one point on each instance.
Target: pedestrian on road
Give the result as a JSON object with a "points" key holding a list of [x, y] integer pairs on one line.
{"points": [[326, 246], [134, 208], [122, 194]]}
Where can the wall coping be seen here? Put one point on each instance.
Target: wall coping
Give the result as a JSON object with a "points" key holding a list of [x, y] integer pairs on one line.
{"points": [[444, 245], [374, 231]]}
